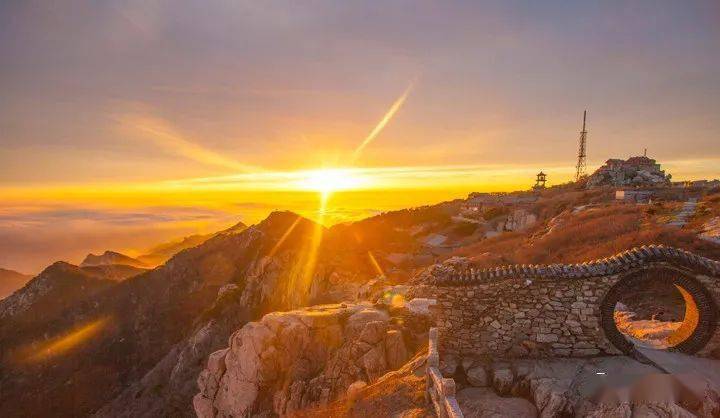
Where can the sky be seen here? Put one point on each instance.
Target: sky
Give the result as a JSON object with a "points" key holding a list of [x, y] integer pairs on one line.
{"points": [[125, 123]]}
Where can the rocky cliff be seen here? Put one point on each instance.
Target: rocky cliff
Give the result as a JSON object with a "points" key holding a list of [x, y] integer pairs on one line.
{"points": [[290, 361]]}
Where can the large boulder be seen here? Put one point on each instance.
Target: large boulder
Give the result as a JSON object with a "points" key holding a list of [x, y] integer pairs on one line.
{"points": [[292, 360], [395, 350], [477, 376]]}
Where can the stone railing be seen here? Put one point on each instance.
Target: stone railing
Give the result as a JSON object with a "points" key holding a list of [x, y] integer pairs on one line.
{"points": [[440, 390], [619, 263]]}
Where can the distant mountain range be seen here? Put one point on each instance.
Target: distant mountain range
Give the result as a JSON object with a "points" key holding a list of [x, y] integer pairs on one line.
{"points": [[111, 258], [10, 281], [159, 254], [115, 266], [162, 252]]}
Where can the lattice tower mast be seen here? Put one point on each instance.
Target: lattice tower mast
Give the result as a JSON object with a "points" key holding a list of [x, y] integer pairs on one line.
{"points": [[582, 152]]}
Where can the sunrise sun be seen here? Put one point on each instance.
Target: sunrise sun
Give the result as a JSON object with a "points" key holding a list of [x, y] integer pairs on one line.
{"points": [[330, 180]]}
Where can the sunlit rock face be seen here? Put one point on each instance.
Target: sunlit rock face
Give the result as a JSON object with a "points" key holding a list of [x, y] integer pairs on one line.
{"points": [[291, 360]]}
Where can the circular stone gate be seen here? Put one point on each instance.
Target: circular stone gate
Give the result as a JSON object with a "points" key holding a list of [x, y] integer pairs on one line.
{"points": [[700, 318]]}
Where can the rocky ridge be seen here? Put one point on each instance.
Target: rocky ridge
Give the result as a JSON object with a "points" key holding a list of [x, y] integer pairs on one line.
{"points": [[60, 284]]}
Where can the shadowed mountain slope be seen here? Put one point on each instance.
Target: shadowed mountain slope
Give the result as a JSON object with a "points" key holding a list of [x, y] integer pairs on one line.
{"points": [[11, 281], [280, 263]]}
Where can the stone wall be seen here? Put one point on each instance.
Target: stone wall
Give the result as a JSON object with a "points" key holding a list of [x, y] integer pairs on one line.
{"points": [[564, 310], [523, 318], [712, 349], [440, 390]]}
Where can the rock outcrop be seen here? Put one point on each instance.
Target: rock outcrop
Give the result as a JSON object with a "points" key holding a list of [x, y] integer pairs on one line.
{"points": [[635, 171], [294, 360], [520, 220]]}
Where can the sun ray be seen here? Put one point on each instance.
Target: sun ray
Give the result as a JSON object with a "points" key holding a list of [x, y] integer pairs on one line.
{"points": [[375, 264], [284, 237], [63, 343], [384, 121], [317, 236]]}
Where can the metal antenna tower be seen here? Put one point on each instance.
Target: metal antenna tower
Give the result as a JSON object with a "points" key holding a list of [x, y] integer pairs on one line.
{"points": [[581, 166]]}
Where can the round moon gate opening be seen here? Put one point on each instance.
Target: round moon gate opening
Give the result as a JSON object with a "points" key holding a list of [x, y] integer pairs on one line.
{"points": [[686, 328]]}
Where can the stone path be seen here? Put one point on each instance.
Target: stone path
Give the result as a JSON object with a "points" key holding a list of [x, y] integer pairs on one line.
{"points": [[686, 212], [679, 364]]}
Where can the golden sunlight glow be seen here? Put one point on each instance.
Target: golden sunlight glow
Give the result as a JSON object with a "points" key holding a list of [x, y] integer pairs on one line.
{"points": [[300, 280], [330, 180], [397, 300], [63, 343]]}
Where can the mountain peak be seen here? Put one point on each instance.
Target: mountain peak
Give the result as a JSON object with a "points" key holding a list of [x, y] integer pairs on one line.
{"points": [[279, 222], [110, 258], [238, 227], [284, 217]]}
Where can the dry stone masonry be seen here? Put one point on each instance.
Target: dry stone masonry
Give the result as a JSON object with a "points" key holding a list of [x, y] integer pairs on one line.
{"points": [[566, 310]]}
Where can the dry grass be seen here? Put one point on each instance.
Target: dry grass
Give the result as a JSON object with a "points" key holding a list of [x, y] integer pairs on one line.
{"points": [[554, 202], [590, 234], [708, 208]]}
